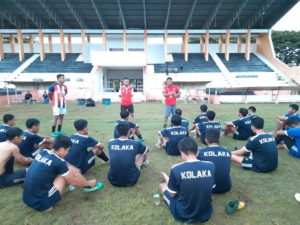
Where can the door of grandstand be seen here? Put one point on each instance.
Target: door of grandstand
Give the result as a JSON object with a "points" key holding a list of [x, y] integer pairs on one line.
{"points": [[112, 78]]}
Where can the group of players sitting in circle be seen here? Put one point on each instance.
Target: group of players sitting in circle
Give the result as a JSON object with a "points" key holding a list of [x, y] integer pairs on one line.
{"points": [[54, 165]]}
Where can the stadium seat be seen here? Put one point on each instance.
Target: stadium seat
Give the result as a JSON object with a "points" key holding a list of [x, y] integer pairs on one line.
{"points": [[11, 62], [53, 64], [238, 63], [196, 64]]}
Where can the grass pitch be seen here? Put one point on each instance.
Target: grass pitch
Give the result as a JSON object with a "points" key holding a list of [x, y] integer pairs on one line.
{"points": [[269, 197]]}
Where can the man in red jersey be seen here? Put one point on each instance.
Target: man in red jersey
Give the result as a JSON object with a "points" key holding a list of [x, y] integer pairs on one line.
{"points": [[126, 94], [170, 92]]}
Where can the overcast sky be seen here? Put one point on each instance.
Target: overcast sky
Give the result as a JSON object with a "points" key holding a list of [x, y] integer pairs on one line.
{"points": [[291, 21]]}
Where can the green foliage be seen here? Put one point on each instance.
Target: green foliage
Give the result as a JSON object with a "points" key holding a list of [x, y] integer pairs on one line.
{"points": [[287, 46]]}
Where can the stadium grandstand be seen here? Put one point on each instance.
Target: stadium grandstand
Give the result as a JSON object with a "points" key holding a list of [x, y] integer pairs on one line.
{"points": [[216, 49]]}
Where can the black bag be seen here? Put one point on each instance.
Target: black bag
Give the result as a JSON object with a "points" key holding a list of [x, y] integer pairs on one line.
{"points": [[90, 103]]}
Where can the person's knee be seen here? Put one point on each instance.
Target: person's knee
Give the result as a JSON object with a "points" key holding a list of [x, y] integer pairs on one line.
{"points": [[60, 184]]}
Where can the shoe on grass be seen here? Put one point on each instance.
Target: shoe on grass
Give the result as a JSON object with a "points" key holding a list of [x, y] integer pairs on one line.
{"points": [[141, 139], [71, 188], [145, 163], [55, 134], [98, 186]]}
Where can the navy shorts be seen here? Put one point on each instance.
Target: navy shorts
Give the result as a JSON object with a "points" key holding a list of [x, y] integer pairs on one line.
{"points": [[88, 163], [247, 163], [170, 109], [128, 108], [47, 201], [237, 136], [9, 179]]}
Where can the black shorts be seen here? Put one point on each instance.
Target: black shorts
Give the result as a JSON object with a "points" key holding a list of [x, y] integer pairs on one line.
{"points": [[128, 108]]}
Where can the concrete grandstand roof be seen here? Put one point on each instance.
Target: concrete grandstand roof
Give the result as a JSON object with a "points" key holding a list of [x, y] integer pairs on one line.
{"points": [[142, 14]]}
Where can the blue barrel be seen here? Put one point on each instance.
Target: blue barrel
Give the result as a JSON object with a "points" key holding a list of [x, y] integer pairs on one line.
{"points": [[106, 101]]}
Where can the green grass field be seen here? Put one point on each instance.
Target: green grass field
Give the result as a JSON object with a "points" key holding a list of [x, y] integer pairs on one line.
{"points": [[269, 197]]}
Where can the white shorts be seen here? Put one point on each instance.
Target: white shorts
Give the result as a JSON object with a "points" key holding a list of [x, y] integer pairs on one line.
{"points": [[59, 111]]}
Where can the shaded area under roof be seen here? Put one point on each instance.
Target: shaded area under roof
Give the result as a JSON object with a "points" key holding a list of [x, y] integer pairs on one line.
{"points": [[142, 14]]}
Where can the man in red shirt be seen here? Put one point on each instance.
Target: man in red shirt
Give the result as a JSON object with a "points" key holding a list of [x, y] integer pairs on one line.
{"points": [[126, 94], [170, 92]]}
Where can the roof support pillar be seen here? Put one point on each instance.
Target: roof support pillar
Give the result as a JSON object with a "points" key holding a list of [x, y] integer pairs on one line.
{"points": [[50, 43], [103, 40], [30, 42], [248, 45], [206, 45], [124, 41], [70, 43], [145, 43], [62, 45], [82, 44], [20, 44], [12, 43], [41, 45], [166, 45], [227, 45], [186, 46], [220, 43], [239, 43]]}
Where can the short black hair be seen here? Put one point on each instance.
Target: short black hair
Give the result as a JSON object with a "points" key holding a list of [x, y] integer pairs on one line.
{"points": [[176, 120], [13, 132], [294, 107], [178, 112], [169, 78], [8, 117], [80, 124], [258, 122], [212, 135], [59, 76], [32, 122], [292, 121], [188, 145], [123, 129], [243, 111], [252, 108], [62, 141], [210, 115], [125, 78], [203, 108], [124, 114]]}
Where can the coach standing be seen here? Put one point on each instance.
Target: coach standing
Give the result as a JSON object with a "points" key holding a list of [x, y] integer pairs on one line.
{"points": [[57, 93], [126, 94], [170, 92]]}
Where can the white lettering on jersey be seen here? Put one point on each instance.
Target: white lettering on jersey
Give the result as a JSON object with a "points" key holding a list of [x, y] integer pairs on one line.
{"points": [[3, 130], [74, 141], [266, 140], [216, 154], [43, 160], [194, 175], [248, 122], [122, 147], [174, 133]]}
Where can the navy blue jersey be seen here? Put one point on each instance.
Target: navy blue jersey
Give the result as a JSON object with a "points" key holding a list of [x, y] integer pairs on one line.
{"points": [[122, 153], [81, 146], [28, 145], [192, 183], [131, 126], [264, 152], [294, 116], [221, 157], [185, 123], [40, 176], [174, 135], [201, 118], [243, 125], [3, 129], [252, 116], [295, 133], [205, 125]]}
